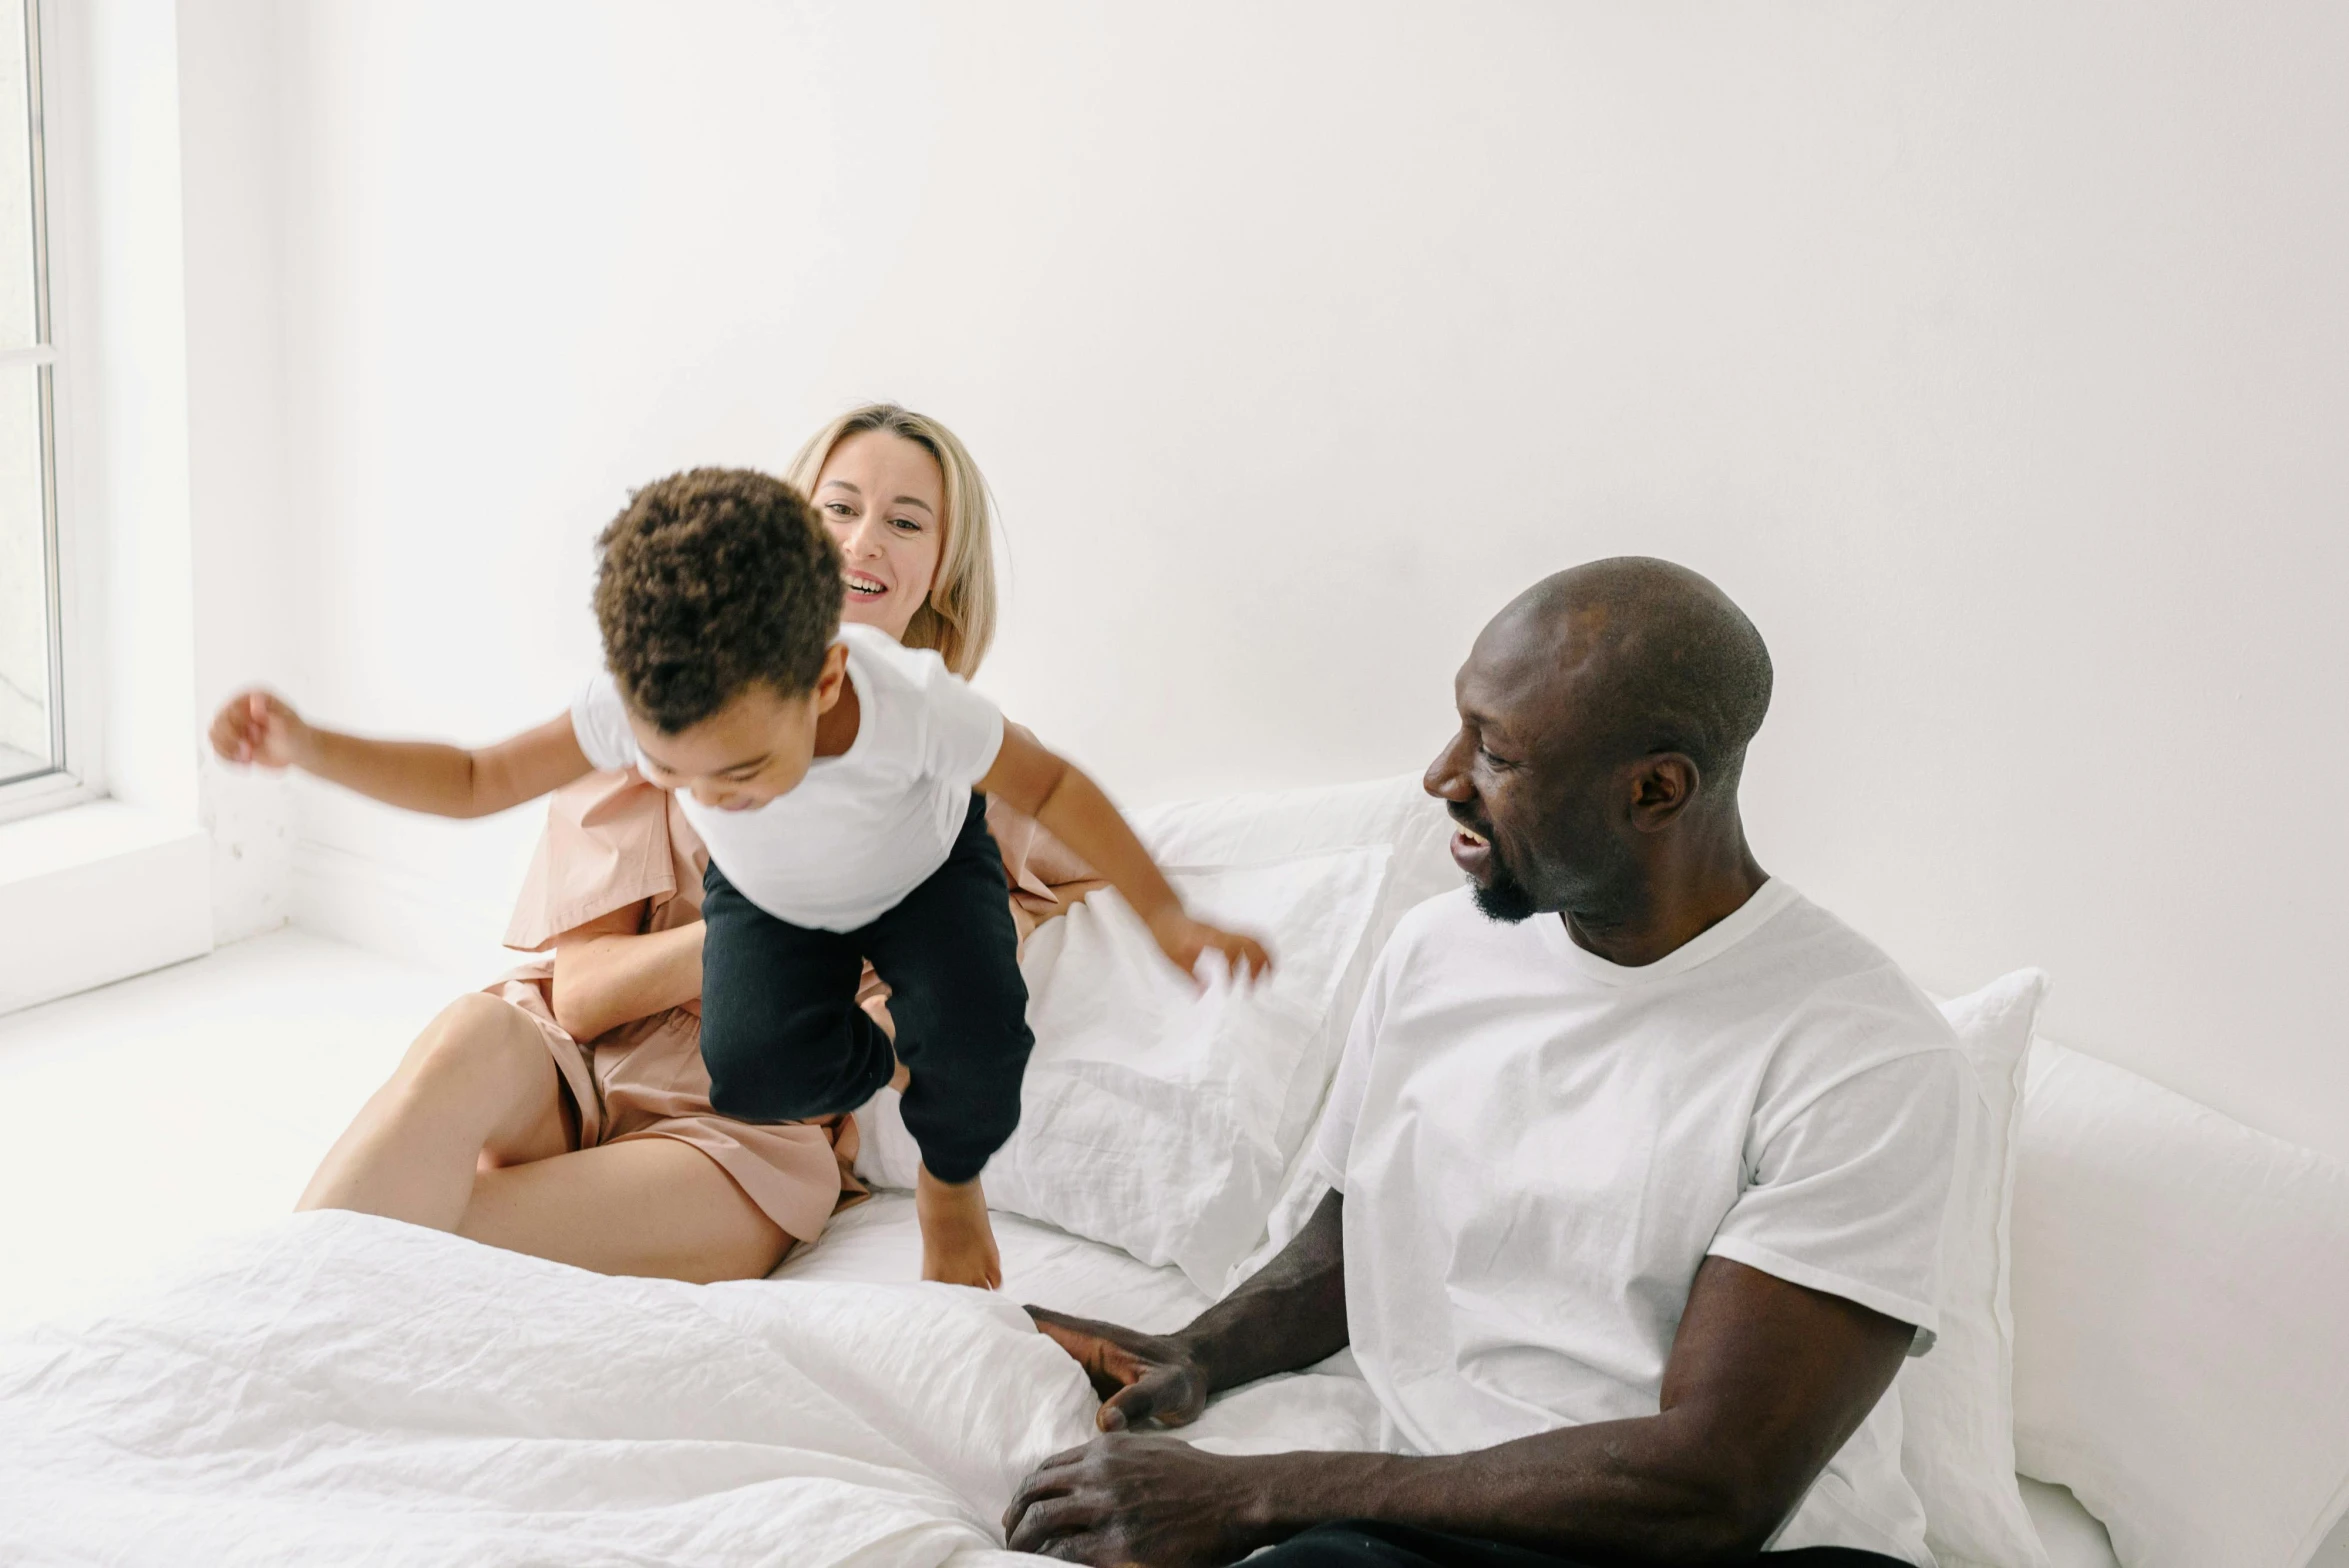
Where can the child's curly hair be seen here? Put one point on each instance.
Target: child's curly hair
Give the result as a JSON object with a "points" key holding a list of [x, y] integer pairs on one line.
{"points": [[710, 581]]}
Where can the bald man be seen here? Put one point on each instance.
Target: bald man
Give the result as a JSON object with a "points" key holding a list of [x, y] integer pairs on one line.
{"points": [[1637, 1161]]}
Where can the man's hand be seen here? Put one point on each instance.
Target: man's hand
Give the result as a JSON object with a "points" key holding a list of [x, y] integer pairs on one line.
{"points": [[1130, 1499], [258, 729], [1140, 1377], [1185, 941]]}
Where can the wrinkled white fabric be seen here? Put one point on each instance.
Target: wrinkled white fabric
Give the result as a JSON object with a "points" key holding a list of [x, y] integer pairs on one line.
{"points": [[345, 1389], [1323, 1407]]}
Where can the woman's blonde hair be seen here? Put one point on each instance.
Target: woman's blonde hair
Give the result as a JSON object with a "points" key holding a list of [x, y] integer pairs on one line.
{"points": [[958, 618]]}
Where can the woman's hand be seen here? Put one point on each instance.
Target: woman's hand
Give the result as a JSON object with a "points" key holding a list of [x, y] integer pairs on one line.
{"points": [[259, 729], [1185, 941], [1140, 1377]]}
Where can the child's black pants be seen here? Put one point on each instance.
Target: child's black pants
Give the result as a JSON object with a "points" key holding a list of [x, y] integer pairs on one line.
{"points": [[784, 1040]]}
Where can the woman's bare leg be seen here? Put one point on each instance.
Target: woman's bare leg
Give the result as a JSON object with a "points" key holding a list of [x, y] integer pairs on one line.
{"points": [[649, 1206], [477, 1087]]}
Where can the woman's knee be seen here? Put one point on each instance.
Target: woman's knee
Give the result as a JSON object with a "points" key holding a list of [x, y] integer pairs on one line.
{"points": [[478, 1048]]}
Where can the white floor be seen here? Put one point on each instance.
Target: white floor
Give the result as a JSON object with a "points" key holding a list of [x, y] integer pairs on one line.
{"points": [[153, 1116]]}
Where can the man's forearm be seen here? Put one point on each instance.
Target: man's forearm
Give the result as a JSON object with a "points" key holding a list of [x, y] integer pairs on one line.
{"points": [[1767, 1380], [1289, 1314], [1634, 1488]]}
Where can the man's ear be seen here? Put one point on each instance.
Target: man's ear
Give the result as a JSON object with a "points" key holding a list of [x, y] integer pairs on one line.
{"points": [[1662, 785], [832, 678]]}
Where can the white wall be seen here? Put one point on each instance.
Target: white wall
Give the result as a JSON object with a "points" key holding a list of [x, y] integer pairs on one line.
{"points": [[249, 564], [1994, 356]]}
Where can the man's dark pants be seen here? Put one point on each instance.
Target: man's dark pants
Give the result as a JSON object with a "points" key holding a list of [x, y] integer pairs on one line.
{"points": [[1358, 1544]]}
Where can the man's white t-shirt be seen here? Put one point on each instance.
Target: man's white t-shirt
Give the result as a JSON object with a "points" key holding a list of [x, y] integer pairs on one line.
{"points": [[863, 829], [1538, 1148]]}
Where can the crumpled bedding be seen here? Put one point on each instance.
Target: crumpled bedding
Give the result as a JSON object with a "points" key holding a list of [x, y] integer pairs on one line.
{"points": [[1323, 1407], [340, 1388]]}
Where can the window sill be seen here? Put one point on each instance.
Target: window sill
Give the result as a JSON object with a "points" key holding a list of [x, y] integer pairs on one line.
{"points": [[97, 893], [21, 799]]}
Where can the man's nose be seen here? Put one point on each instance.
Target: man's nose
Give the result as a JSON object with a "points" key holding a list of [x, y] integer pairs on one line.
{"points": [[1445, 778], [709, 795]]}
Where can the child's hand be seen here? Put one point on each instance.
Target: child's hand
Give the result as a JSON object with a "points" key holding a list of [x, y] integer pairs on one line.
{"points": [[1185, 940], [259, 730]]}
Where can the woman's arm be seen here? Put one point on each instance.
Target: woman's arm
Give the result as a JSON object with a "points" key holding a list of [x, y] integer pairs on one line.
{"points": [[610, 972], [1071, 806], [262, 730]]}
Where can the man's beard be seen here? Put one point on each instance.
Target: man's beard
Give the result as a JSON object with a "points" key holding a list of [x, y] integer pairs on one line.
{"points": [[1502, 897]]}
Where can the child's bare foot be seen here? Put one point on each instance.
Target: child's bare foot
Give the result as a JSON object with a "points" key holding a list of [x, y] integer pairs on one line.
{"points": [[958, 1243]]}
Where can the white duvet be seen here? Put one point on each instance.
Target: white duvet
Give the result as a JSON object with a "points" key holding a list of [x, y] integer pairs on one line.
{"points": [[342, 1389]]}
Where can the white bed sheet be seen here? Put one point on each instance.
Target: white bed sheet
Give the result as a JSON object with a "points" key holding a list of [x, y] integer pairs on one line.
{"points": [[1326, 1407], [2070, 1533], [878, 1242]]}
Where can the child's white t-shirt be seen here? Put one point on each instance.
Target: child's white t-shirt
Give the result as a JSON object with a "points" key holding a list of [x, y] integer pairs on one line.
{"points": [[1540, 1148], [863, 829]]}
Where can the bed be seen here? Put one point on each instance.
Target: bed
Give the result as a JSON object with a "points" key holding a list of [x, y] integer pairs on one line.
{"points": [[357, 1420], [338, 1388]]}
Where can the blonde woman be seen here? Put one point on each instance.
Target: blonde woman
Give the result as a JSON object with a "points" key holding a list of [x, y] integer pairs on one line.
{"points": [[565, 1112]]}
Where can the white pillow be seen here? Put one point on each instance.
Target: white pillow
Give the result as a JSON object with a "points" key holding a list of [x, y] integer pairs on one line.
{"points": [[1957, 1401], [1235, 829], [2181, 1303], [1153, 1118], [1238, 830]]}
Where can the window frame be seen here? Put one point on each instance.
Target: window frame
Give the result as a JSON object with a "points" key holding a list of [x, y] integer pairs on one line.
{"points": [[75, 731]]}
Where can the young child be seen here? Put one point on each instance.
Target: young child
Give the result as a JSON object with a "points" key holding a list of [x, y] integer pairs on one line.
{"points": [[831, 773]]}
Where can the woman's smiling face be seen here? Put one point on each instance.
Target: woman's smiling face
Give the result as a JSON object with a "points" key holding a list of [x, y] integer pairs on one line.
{"points": [[885, 502]]}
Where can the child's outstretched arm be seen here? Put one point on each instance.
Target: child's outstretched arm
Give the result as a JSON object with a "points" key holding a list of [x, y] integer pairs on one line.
{"points": [[1071, 806], [257, 729]]}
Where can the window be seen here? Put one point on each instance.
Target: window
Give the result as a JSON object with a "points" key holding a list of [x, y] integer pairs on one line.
{"points": [[33, 739]]}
